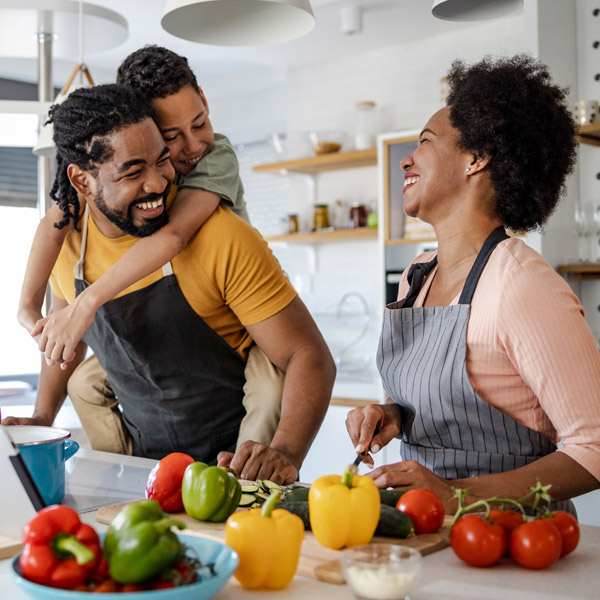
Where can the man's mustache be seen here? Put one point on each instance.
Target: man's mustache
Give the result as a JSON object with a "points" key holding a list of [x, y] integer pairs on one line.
{"points": [[152, 197]]}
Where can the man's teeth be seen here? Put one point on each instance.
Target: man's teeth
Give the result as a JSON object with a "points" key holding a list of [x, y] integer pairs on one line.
{"points": [[149, 205], [410, 180]]}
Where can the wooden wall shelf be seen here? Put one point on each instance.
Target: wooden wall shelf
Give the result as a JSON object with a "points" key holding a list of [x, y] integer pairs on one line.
{"points": [[333, 235], [402, 241], [318, 164], [589, 134], [581, 271]]}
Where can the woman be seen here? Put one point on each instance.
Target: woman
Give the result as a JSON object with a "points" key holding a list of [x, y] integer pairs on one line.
{"points": [[487, 359]]}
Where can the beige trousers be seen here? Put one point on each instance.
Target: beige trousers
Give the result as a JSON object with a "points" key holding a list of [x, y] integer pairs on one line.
{"points": [[100, 416]]}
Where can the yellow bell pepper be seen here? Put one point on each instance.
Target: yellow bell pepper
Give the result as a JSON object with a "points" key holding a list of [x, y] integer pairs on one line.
{"points": [[344, 511], [268, 544]]}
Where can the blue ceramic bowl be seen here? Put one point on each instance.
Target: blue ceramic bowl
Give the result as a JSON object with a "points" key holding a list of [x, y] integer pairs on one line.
{"points": [[208, 551]]}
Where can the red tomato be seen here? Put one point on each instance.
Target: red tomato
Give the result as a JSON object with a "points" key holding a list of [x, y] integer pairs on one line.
{"points": [[424, 508], [507, 519], [476, 541], [164, 481], [569, 530], [535, 544]]}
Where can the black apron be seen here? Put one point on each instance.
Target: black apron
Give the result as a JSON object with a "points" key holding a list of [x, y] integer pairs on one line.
{"points": [[179, 383], [446, 426]]}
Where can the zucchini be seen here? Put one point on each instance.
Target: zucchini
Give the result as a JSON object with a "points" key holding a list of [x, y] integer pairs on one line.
{"points": [[394, 523], [247, 499], [300, 494], [268, 486], [250, 488]]}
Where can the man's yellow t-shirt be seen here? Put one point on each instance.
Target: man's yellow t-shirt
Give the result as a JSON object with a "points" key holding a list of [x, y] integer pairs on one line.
{"points": [[227, 273]]}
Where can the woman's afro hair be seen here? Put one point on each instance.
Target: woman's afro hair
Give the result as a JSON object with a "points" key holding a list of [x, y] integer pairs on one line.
{"points": [[510, 111]]}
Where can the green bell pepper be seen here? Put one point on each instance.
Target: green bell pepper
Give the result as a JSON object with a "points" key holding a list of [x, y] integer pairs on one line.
{"points": [[140, 544], [209, 493]]}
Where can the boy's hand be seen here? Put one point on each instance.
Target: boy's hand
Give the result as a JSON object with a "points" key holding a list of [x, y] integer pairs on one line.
{"points": [[28, 318], [61, 331]]}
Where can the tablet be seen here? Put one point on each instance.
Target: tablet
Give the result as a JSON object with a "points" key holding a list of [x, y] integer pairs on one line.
{"points": [[20, 498]]}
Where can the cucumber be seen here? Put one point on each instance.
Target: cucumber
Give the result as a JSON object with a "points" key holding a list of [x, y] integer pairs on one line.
{"points": [[299, 494], [390, 497], [250, 488], [297, 508], [392, 522]]}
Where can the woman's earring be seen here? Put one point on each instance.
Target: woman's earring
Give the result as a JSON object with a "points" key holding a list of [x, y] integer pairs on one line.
{"points": [[468, 169]]}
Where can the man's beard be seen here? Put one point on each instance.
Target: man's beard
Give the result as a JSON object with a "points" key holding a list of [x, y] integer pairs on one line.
{"points": [[125, 221]]}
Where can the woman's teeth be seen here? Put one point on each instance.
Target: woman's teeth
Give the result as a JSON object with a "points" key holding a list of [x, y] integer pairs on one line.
{"points": [[192, 161], [410, 180], [149, 205]]}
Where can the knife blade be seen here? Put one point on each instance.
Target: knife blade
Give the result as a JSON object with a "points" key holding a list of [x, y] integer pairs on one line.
{"points": [[359, 458]]}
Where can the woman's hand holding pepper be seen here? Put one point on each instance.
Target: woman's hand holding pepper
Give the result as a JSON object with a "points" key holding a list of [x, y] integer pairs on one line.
{"points": [[410, 474], [372, 427]]}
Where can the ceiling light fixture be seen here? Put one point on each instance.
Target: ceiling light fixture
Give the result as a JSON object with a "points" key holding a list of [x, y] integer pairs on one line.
{"points": [[238, 22], [45, 144], [473, 10]]}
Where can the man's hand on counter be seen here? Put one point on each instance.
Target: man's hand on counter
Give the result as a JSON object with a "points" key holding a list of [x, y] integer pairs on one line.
{"points": [[256, 461]]}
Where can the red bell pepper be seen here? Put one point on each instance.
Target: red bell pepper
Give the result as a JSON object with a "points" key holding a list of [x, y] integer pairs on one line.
{"points": [[164, 481], [58, 549]]}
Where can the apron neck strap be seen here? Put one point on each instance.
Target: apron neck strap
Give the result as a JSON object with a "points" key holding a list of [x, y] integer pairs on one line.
{"points": [[167, 268], [79, 265], [415, 277], [497, 236]]}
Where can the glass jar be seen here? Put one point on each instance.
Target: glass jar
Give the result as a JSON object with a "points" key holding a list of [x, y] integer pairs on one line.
{"points": [[321, 217], [358, 216], [293, 223], [364, 136]]}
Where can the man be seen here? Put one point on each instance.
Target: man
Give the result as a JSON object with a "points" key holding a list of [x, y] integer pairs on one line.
{"points": [[174, 345]]}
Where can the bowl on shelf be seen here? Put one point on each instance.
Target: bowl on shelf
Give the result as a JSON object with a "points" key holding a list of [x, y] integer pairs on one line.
{"points": [[378, 571], [327, 141], [224, 559]]}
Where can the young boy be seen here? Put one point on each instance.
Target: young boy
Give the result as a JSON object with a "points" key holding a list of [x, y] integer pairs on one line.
{"points": [[208, 173]]}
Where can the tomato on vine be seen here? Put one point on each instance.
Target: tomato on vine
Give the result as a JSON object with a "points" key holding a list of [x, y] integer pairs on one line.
{"points": [[536, 544], [568, 527], [424, 508], [477, 541]]}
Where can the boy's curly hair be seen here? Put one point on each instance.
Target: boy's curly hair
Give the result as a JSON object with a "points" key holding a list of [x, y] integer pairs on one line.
{"points": [[156, 72], [511, 111], [81, 125]]}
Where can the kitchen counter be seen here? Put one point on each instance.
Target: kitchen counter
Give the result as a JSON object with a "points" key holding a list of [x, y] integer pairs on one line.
{"points": [[97, 479]]}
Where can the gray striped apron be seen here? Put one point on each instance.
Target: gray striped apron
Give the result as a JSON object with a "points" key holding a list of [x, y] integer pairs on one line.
{"points": [[179, 383], [446, 426]]}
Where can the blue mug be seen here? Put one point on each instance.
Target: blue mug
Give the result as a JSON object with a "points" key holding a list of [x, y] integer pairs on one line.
{"points": [[45, 450]]}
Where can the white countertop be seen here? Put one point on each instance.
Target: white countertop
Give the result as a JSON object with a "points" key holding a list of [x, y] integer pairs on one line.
{"points": [[98, 478]]}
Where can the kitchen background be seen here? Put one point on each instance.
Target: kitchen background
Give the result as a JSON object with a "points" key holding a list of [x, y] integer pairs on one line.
{"points": [[268, 101]]}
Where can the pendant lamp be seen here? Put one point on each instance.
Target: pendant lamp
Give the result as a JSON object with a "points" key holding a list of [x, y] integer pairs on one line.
{"points": [[45, 144], [473, 10], [238, 22]]}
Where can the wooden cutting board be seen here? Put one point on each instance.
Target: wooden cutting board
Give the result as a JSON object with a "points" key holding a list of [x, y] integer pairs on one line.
{"points": [[316, 561], [9, 547]]}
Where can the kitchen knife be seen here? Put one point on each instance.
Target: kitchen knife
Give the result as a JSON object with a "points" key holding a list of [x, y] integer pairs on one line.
{"points": [[359, 458]]}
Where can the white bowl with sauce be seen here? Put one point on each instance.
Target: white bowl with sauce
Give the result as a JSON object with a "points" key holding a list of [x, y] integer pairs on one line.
{"points": [[381, 571]]}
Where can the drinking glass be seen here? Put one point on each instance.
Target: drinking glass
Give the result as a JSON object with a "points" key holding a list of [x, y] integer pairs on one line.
{"points": [[596, 232], [583, 228]]}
